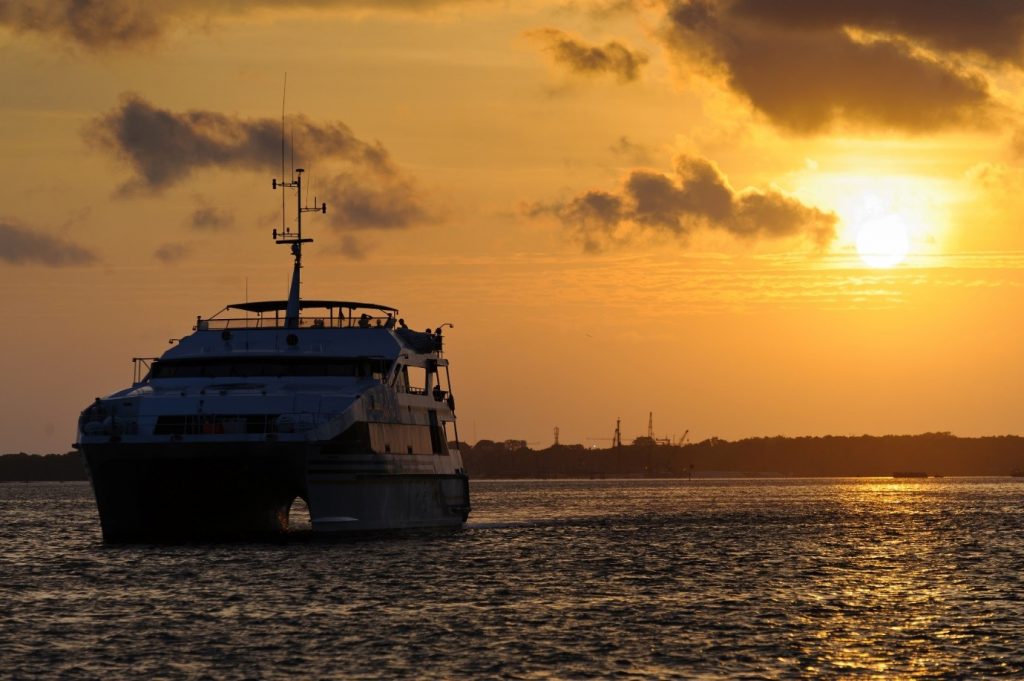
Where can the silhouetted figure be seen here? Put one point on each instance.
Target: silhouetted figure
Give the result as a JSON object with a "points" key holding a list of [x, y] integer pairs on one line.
{"points": [[401, 324], [364, 321]]}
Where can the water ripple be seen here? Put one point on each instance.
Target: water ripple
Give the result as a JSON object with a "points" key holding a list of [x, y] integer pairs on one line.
{"points": [[584, 579]]}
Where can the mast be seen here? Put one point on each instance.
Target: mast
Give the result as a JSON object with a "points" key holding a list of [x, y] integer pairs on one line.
{"points": [[295, 240]]}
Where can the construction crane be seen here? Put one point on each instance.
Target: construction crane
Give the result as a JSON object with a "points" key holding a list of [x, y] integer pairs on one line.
{"points": [[649, 439], [616, 439]]}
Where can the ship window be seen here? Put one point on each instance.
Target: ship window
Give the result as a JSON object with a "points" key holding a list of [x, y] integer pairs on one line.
{"points": [[256, 367], [215, 424], [416, 380]]}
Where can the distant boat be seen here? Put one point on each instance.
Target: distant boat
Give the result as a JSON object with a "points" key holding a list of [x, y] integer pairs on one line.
{"points": [[910, 474]]}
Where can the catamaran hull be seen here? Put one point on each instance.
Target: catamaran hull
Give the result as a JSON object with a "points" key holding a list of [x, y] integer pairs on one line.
{"points": [[384, 502], [241, 491]]}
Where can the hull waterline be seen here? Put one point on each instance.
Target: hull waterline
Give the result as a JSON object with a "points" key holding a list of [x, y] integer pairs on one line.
{"points": [[202, 492]]}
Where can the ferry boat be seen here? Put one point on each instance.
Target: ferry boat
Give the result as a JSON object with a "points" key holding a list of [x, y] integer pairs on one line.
{"points": [[338, 403]]}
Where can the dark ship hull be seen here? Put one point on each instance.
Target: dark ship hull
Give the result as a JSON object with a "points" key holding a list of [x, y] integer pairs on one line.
{"points": [[243, 491]]}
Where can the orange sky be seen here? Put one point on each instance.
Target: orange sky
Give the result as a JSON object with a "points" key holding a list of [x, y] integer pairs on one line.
{"points": [[623, 207]]}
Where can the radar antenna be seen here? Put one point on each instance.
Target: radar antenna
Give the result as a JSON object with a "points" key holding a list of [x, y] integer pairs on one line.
{"points": [[286, 235], [295, 240]]}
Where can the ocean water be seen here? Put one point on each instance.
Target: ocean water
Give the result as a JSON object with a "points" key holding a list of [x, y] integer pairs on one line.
{"points": [[827, 578]]}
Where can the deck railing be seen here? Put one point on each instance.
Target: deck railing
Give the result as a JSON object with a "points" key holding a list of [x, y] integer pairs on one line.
{"points": [[241, 323]]}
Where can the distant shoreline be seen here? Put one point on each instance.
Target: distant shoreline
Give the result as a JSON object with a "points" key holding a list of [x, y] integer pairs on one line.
{"points": [[22, 467], [934, 454]]}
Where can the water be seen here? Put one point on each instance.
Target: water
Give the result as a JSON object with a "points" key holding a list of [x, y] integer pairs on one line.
{"points": [[766, 579]]}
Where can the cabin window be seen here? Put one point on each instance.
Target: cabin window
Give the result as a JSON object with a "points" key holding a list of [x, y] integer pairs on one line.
{"points": [[416, 380], [215, 424], [260, 367]]}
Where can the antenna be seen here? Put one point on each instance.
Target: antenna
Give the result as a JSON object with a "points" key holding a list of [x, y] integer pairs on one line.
{"points": [[295, 241], [284, 95], [286, 235]]}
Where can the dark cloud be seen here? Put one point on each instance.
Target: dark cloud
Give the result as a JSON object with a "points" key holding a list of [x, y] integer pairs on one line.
{"points": [[212, 219], [163, 148], [698, 196], [22, 246], [124, 24], [611, 58], [806, 75], [383, 203], [172, 253], [98, 24], [592, 218], [993, 28]]}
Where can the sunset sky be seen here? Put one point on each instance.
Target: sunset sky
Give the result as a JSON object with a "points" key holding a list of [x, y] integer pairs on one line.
{"points": [[749, 217]]}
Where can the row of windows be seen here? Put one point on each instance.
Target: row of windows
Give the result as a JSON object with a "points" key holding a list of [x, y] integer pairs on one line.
{"points": [[215, 424], [250, 367]]}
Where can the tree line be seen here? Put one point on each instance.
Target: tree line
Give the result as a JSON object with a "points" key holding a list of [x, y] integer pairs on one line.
{"points": [[826, 456]]}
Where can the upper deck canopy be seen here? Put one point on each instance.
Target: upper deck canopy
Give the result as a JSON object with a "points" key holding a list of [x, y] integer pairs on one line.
{"points": [[281, 305]]}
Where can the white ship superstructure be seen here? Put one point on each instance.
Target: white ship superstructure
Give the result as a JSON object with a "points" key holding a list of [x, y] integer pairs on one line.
{"points": [[334, 402]]}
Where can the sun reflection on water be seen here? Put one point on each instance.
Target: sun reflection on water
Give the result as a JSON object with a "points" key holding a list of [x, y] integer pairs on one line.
{"points": [[830, 578]]}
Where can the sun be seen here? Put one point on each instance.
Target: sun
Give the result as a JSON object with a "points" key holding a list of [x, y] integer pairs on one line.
{"points": [[883, 241]]}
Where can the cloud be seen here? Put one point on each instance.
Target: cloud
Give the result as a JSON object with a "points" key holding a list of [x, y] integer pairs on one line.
{"points": [[22, 246], [163, 148], [98, 24], [172, 253], [101, 25], [993, 28], [384, 203], [353, 248], [807, 75], [212, 219], [581, 58], [698, 196]]}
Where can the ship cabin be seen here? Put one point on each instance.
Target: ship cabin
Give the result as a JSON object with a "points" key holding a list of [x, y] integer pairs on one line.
{"points": [[328, 339]]}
